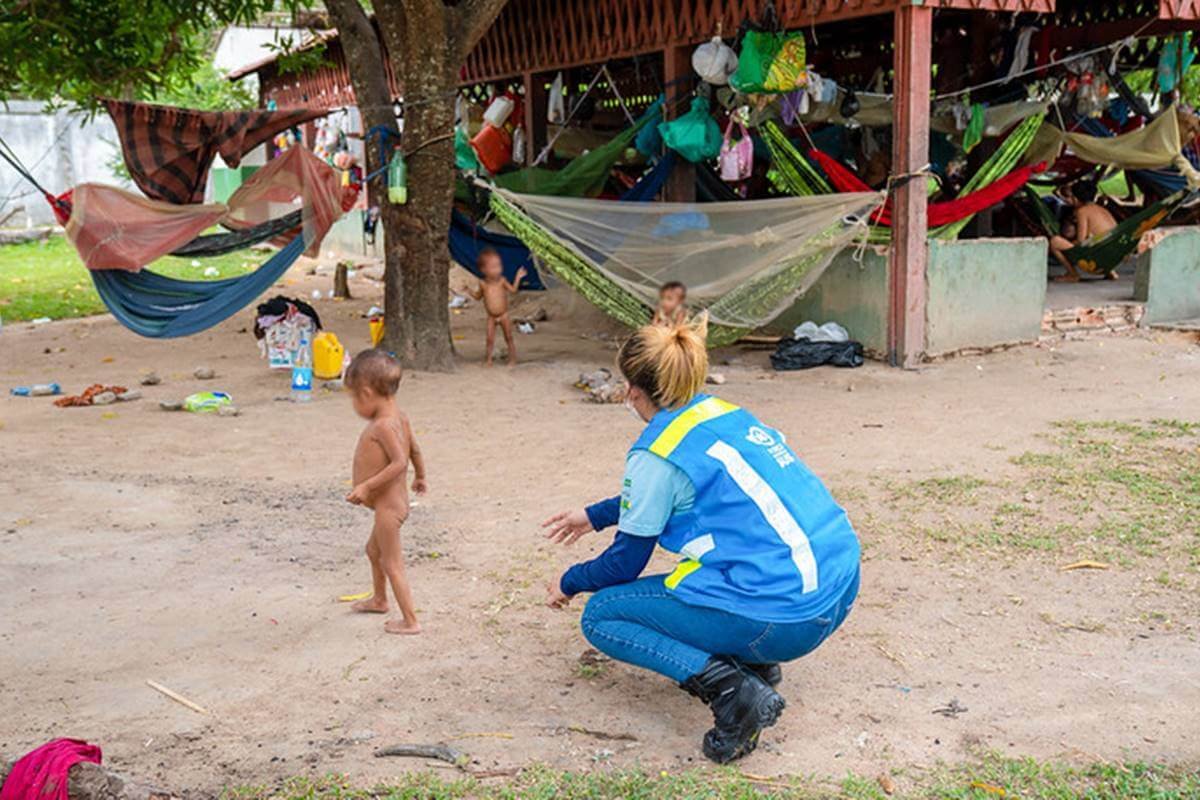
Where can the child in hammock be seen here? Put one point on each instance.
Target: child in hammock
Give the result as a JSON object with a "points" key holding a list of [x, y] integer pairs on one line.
{"points": [[494, 290], [672, 305]]}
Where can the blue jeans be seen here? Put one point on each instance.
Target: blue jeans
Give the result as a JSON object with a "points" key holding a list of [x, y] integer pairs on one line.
{"points": [[644, 623]]}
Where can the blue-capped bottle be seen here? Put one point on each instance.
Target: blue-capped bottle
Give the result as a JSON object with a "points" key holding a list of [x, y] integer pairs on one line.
{"points": [[302, 372]]}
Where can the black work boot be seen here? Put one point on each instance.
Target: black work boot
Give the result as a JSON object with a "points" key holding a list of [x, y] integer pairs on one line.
{"points": [[742, 705], [771, 674]]}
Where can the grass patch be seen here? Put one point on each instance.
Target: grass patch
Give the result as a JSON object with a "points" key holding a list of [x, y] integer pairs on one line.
{"points": [[47, 279], [987, 780], [1115, 491]]}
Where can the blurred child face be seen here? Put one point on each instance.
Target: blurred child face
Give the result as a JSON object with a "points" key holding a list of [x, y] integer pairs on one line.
{"points": [[365, 402], [491, 267], [670, 300]]}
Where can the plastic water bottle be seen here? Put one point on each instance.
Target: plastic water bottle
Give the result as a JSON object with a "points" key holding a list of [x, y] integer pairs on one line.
{"points": [[302, 373]]}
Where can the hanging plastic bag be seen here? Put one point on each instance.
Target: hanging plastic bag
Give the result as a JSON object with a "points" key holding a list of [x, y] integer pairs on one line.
{"points": [[649, 140], [518, 139], [464, 154], [556, 104], [714, 61], [736, 159], [770, 63], [695, 135], [499, 111]]}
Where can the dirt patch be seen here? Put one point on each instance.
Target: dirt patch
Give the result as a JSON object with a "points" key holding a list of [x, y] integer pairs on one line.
{"points": [[207, 554]]}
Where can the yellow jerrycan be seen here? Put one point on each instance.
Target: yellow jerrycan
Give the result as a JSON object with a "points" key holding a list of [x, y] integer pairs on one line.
{"points": [[328, 354]]}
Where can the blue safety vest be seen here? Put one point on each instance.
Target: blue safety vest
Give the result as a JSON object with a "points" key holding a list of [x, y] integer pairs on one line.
{"points": [[764, 538]]}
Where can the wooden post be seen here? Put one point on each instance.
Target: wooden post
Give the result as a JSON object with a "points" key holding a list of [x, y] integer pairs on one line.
{"points": [[536, 97], [910, 154], [679, 78]]}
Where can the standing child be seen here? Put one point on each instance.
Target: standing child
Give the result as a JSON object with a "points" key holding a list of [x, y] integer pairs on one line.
{"points": [[381, 460], [672, 305], [494, 290]]}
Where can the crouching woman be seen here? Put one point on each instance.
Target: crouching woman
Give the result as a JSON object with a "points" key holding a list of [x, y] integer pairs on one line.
{"points": [[770, 562]]}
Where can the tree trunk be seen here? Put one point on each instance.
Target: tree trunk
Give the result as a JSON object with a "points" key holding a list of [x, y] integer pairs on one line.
{"points": [[426, 41]]}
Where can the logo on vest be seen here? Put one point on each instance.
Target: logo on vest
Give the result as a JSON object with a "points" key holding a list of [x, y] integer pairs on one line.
{"points": [[778, 450], [759, 437]]}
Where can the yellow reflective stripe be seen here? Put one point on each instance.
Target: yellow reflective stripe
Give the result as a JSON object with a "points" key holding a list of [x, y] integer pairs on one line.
{"points": [[684, 569], [682, 425]]}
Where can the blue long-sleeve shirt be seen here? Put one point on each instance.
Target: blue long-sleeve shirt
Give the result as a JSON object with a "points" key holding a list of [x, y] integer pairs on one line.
{"points": [[622, 562]]}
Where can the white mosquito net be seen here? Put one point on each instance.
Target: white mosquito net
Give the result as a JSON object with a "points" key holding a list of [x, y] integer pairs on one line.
{"points": [[745, 261]]}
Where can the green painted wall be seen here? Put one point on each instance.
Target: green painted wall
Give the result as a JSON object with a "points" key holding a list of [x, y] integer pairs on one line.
{"points": [[984, 292], [1167, 278], [851, 294]]}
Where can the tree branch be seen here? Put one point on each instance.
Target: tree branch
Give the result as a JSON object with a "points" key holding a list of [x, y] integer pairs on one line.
{"points": [[474, 19]]}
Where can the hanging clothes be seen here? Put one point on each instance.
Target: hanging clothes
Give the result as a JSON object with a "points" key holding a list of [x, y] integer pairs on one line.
{"points": [[1174, 60], [973, 134], [556, 104], [168, 150], [1020, 59]]}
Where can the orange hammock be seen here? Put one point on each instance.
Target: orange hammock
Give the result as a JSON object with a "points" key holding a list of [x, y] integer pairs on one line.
{"points": [[959, 208]]}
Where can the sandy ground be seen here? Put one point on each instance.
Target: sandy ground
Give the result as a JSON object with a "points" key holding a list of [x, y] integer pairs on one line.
{"points": [[207, 554]]}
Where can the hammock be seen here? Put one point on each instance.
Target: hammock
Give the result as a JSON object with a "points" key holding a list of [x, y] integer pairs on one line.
{"points": [[584, 176], [467, 238], [797, 174], [945, 213], [998, 164], [1104, 254], [159, 307], [216, 244], [744, 262]]}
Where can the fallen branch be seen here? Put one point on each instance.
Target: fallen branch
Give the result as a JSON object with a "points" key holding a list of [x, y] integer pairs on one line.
{"points": [[1083, 565], [441, 752], [605, 735]]}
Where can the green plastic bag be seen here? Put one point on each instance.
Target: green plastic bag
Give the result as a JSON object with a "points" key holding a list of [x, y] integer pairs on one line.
{"points": [[770, 63], [206, 402], [695, 135], [464, 155]]}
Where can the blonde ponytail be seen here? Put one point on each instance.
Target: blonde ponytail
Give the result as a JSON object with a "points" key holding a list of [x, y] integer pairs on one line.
{"points": [[668, 362]]}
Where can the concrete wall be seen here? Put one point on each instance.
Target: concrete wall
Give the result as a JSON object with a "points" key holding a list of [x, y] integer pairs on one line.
{"points": [[1167, 278], [984, 292], [61, 149], [981, 292]]}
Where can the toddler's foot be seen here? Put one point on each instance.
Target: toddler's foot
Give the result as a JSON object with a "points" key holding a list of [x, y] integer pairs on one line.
{"points": [[401, 627], [512, 361], [372, 605]]}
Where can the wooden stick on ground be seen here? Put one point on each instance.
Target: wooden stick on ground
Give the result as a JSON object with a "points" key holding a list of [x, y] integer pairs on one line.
{"points": [[441, 752], [178, 698]]}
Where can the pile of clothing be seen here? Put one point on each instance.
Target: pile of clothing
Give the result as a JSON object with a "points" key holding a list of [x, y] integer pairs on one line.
{"points": [[279, 325]]}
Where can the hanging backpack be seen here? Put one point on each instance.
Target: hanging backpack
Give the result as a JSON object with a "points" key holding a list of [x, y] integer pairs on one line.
{"points": [[770, 63], [736, 159], [695, 135]]}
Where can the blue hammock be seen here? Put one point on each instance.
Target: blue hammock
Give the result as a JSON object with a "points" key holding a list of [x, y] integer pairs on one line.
{"points": [[1162, 182], [467, 238], [159, 307]]}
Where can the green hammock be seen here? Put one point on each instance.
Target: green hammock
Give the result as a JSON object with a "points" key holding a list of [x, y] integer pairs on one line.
{"points": [[1104, 254], [585, 176], [798, 177], [607, 295]]}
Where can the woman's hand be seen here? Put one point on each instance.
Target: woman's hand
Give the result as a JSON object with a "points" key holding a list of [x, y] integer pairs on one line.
{"points": [[567, 526], [555, 598]]}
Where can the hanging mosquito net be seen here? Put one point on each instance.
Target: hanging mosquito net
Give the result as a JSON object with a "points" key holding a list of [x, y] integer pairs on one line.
{"points": [[744, 261]]}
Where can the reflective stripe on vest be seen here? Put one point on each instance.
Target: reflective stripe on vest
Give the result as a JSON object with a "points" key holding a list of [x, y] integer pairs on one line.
{"points": [[681, 426]]}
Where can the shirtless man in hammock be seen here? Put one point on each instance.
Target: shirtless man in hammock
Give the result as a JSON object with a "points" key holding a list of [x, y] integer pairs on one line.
{"points": [[1091, 222]]}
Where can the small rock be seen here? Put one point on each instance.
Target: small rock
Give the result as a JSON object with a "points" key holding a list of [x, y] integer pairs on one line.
{"points": [[849, 387], [130, 394], [716, 378], [204, 373], [334, 386], [104, 399], [887, 784], [151, 379], [228, 411], [171, 405]]}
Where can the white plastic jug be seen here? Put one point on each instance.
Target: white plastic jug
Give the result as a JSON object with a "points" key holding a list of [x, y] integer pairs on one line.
{"points": [[498, 112]]}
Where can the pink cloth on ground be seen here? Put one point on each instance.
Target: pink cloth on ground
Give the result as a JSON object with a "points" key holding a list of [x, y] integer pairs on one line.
{"points": [[41, 774]]}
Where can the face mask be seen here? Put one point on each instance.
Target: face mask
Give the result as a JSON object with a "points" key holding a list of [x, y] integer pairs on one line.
{"points": [[629, 407]]}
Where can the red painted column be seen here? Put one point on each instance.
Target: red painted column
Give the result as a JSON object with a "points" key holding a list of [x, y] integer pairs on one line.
{"points": [[910, 153]]}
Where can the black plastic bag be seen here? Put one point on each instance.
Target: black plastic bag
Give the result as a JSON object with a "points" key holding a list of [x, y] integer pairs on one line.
{"points": [[804, 354]]}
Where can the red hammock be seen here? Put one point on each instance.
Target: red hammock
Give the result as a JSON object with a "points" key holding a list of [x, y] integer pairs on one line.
{"points": [[939, 213]]}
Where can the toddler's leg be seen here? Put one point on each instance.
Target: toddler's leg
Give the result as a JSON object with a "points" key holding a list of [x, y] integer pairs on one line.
{"points": [[387, 533], [377, 603], [506, 324], [491, 339]]}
